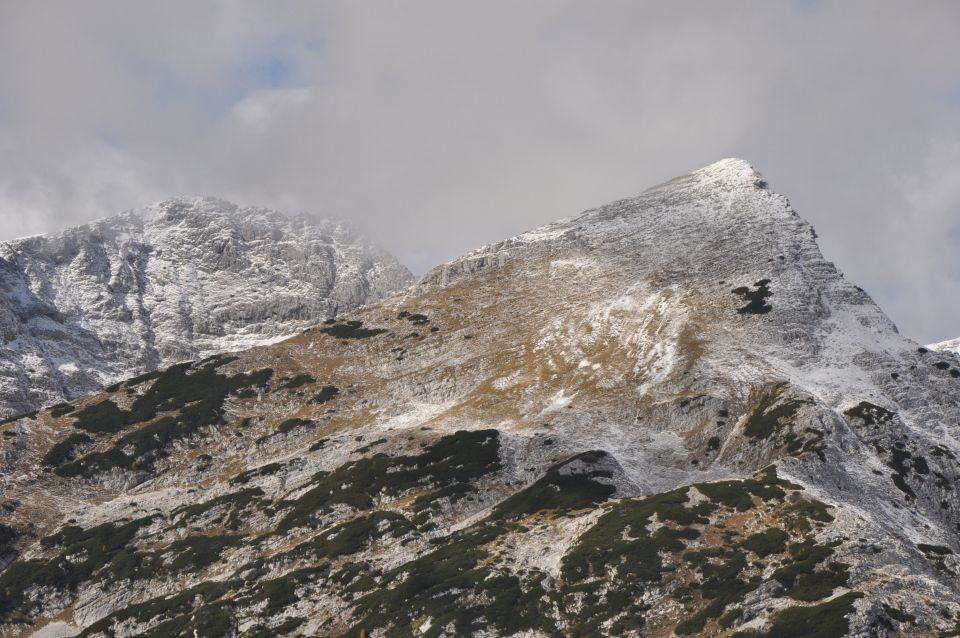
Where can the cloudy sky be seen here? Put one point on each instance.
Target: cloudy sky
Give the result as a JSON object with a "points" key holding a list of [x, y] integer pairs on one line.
{"points": [[439, 126]]}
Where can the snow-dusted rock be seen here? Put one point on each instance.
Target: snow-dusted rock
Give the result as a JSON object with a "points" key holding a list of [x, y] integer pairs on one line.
{"points": [[174, 281], [950, 345]]}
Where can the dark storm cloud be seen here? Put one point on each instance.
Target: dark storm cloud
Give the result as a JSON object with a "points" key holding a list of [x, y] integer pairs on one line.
{"points": [[439, 126]]}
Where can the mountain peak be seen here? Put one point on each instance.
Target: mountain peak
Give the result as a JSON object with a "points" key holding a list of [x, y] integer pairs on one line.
{"points": [[720, 221], [731, 171]]}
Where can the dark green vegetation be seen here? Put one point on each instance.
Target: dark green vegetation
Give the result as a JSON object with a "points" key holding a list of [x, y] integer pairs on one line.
{"points": [[447, 467], [898, 614], [103, 417], [8, 537], [620, 559], [351, 537], [756, 299], [570, 485], [870, 414], [907, 465], [803, 580], [143, 378], [297, 380], [326, 393], [227, 510], [935, 554], [771, 541], [264, 470], [773, 412], [292, 424], [84, 553], [61, 409], [827, 620], [194, 393], [351, 330], [198, 611], [17, 417], [65, 450], [415, 318], [454, 585]]}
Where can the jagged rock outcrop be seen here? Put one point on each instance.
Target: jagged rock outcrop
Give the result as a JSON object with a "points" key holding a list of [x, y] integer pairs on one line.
{"points": [[179, 280], [666, 416]]}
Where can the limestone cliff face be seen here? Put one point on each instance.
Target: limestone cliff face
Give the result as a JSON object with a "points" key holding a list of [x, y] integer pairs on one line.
{"points": [[178, 280], [666, 416]]}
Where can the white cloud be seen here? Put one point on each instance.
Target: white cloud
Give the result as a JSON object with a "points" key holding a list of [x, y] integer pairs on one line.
{"points": [[442, 125]]}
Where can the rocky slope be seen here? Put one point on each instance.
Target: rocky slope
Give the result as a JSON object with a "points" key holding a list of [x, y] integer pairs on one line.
{"points": [[666, 416], [178, 280], [951, 345]]}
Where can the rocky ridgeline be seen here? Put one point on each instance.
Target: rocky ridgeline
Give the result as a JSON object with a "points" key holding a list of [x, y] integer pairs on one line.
{"points": [[667, 416], [179, 280]]}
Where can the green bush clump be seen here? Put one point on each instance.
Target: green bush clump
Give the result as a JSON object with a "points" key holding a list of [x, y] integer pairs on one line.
{"points": [[180, 610], [61, 409], [143, 378], [869, 413], [769, 416], [296, 381], [261, 631], [351, 330], [264, 470], [293, 424], [934, 549], [102, 417], [770, 541], [722, 586], [8, 537], [898, 614], [739, 494], [756, 299], [65, 450], [326, 393]]}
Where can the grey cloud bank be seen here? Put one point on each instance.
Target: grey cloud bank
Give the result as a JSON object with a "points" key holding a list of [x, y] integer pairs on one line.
{"points": [[439, 126]]}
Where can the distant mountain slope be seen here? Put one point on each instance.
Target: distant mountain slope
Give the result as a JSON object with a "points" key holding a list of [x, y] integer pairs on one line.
{"points": [[951, 345], [669, 415], [178, 280]]}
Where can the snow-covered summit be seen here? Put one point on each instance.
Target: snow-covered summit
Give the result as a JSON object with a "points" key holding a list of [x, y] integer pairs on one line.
{"points": [[179, 279]]}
